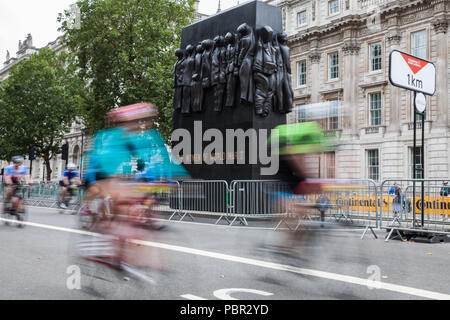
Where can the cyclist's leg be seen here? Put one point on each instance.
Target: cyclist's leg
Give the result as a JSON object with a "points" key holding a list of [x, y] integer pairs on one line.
{"points": [[19, 204], [63, 191], [6, 203]]}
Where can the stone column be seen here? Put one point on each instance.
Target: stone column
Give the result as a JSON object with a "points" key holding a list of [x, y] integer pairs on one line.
{"points": [[440, 27], [350, 79], [393, 39], [314, 58], [316, 77]]}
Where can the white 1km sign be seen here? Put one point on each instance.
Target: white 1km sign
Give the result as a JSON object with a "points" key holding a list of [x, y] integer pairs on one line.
{"points": [[412, 73]]}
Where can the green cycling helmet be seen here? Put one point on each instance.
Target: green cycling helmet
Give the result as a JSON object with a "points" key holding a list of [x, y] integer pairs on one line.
{"points": [[300, 138]]}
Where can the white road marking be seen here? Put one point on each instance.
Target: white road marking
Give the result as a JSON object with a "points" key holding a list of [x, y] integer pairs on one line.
{"points": [[263, 264], [225, 294], [192, 297], [352, 229]]}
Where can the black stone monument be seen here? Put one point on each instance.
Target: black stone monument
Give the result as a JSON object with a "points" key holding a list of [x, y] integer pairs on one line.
{"points": [[243, 114]]}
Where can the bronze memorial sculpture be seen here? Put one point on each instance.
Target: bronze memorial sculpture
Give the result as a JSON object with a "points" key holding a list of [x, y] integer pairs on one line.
{"points": [[237, 83], [249, 68]]}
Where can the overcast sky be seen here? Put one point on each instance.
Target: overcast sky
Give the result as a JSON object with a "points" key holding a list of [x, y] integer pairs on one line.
{"points": [[38, 17]]}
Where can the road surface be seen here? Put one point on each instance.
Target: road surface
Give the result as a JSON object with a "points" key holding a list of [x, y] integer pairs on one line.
{"points": [[203, 261]]}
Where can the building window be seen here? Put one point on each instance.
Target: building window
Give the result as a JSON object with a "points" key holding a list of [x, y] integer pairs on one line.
{"points": [[375, 109], [301, 72], [333, 65], [333, 115], [301, 18], [330, 161], [375, 57], [419, 44], [333, 7], [373, 164], [301, 113], [417, 157]]}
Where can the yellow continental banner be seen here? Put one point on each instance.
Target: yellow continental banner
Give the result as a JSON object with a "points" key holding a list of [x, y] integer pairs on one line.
{"points": [[433, 205]]}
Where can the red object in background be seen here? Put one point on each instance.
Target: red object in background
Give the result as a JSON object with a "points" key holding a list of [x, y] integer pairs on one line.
{"points": [[308, 187]]}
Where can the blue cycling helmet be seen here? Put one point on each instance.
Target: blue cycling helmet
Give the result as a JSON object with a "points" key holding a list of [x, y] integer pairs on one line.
{"points": [[18, 159]]}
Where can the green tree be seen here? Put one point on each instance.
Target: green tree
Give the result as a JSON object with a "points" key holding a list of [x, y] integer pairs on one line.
{"points": [[125, 52], [38, 104]]}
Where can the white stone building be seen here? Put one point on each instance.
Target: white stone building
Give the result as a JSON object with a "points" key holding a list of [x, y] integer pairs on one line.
{"points": [[340, 53], [76, 138]]}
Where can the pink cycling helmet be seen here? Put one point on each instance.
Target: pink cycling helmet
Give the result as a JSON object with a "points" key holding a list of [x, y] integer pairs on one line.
{"points": [[138, 111]]}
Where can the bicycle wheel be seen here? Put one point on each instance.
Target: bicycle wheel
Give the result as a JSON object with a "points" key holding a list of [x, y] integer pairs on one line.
{"points": [[104, 276], [6, 216], [21, 218], [86, 221], [98, 278]]}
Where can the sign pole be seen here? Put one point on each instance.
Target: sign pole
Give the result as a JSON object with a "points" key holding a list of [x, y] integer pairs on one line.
{"points": [[417, 75], [31, 175], [423, 168], [414, 160]]}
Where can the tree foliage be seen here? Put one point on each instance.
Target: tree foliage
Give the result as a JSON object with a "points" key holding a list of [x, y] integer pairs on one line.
{"points": [[125, 53], [38, 103]]}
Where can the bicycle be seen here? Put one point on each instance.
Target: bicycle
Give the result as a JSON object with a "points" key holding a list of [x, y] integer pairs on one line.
{"points": [[144, 208], [71, 198], [113, 260], [15, 209], [89, 218]]}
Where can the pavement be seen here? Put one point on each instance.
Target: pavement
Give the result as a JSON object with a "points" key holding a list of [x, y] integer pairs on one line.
{"points": [[196, 260]]}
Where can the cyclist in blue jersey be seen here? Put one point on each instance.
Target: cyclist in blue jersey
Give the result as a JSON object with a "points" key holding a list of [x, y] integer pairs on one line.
{"points": [[68, 177], [13, 176]]}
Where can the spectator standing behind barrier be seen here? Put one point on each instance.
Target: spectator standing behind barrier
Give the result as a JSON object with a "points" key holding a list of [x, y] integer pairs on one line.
{"points": [[392, 189], [397, 202], [444, 189]]}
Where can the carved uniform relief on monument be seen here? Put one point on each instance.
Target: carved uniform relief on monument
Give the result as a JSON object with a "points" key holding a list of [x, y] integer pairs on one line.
{"points": [[247, 45], [218, 61], [288, 93], [178, 80], [232, 71], [264, 72], [207, 45], [278, 101], [189, 66], [197, 88], [261, 68]]}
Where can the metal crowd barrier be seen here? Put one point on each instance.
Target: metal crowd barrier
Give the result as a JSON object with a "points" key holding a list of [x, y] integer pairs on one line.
{"points": [[44, 195], [357, 201], [350, 201], [258, 199], [202, 197], [400, 213]]}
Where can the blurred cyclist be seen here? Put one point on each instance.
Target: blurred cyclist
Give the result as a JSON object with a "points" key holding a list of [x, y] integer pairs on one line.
{"points": [[115, 147], [297, 143], [14, 174], [69, 176], [110, 150]]}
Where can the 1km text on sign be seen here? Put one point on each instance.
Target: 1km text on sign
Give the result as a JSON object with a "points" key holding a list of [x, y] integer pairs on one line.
{"points": [[412, 73]]}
